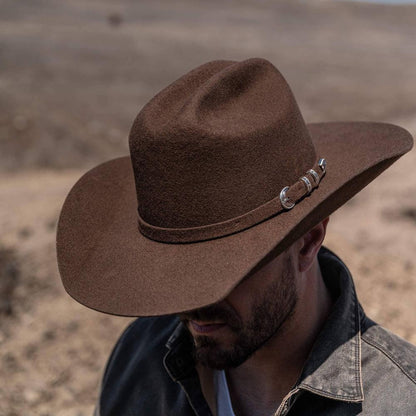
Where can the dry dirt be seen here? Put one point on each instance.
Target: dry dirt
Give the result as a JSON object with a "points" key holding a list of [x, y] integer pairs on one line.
{"points": [[74, 74]]}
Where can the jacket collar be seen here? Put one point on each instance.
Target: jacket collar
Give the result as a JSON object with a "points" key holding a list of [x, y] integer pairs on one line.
{"points": [[333, 368], [179, 360]]}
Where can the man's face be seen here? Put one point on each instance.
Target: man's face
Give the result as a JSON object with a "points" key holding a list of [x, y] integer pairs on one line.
{"points": [[227, 333]]}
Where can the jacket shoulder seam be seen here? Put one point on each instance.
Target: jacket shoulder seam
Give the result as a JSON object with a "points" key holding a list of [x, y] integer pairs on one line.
{"points": [[371, 341]]}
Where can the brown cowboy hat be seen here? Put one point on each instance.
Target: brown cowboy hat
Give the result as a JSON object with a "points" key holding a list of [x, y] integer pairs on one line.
{"points": [[223, 174]]}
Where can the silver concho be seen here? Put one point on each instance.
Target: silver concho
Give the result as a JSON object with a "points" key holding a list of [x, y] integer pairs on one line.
{"points": [[284, 200], [307, 182], [322, 164], [314, 175]]}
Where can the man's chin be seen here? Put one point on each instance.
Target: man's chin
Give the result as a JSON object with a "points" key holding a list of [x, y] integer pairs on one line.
{"points": [[219, 358], [212, 359]]}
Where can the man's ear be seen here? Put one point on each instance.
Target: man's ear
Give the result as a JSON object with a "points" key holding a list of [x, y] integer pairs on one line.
{"points": [[310, 244]]}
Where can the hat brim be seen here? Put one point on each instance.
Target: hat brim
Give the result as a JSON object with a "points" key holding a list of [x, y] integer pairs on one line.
{"points": [[108, 265]]}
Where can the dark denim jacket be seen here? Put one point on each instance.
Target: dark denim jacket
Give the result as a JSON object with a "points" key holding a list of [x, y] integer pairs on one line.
{"points": [[355, 367]]}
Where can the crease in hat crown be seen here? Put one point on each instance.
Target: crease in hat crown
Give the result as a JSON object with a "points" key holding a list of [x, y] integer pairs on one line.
{"points": [[215, 145]]}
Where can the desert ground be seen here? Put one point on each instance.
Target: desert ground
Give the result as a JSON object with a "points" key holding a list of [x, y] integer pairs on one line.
{"points": [[73, 76]]}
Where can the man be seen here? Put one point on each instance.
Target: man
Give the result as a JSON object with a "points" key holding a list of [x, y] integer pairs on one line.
{"points": [[214, 227]]}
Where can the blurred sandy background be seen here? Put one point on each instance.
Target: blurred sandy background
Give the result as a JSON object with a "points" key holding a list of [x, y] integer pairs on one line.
{"points": [[73, 76]]}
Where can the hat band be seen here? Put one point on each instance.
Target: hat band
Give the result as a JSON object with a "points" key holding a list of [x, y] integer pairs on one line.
{"points": [[289, 196]]}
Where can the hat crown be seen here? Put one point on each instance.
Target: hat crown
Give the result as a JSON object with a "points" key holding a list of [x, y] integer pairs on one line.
{"points": [[217, 143]]}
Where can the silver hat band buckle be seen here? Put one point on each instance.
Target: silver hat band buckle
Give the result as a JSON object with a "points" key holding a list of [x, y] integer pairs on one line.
{"points": [[285, 201], [290, 195]]}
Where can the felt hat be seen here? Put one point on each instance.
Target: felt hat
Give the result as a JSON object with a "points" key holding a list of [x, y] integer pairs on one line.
{"points": [[223, 175]]}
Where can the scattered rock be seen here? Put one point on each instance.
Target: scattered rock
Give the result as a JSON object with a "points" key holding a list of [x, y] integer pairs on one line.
{"points": [[25, 232], [115, 19], [409, 213], [31, 350], [72, 326], [49, 335], [51, 225], [11, 363], [61, 379], [408, 266]]}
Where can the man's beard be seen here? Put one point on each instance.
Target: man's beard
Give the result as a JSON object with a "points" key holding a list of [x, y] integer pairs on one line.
{"points": [[268, 313]]}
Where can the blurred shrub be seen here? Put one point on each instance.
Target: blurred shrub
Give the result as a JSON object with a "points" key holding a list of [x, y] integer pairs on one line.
{"points": [[9, 275]]}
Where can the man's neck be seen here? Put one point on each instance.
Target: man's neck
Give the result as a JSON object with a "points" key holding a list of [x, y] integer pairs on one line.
{"points": [[258, 386]]}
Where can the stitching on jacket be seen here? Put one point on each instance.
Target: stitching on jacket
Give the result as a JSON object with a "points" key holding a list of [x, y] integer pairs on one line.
{"points": [[357, 345], [344, 397], [371, 341]]}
